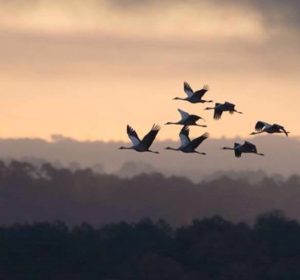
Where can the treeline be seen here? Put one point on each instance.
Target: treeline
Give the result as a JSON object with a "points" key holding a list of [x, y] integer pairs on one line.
{"points": [[208, 249], [30, 194]]}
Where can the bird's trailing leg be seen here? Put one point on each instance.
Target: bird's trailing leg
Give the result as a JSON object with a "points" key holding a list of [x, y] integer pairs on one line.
{"points": [[204, 154], [154, 152]]}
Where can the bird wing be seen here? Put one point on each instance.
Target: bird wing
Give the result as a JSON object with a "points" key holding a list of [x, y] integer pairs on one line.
{"points": [[285, 132], [133, 136], [193, 118], [149, 138], [200, 93], [197, 141], [250, 146], [218, 111], [230, 107], [282, 128], [187, 89], [236, 145], [184, 115], [184, 136], [260, 126], [237, 153]]}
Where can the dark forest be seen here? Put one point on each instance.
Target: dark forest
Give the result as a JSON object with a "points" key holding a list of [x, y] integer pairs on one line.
{"points": [[207, 249], [62, 224]]}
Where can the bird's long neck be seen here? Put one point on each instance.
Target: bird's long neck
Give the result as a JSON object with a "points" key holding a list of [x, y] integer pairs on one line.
{"points": [[201, 125], [169, 148], [172, 123], [126, 148], [227, 148], [179, 98], [210, 108], [257, 132], [259, 154], [208, 101]]}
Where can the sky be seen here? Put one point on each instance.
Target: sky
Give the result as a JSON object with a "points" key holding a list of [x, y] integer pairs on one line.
{"points": [[87, 68]]}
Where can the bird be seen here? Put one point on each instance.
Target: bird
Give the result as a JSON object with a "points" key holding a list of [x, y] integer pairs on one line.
{"points": [[220, 108], [144, 144], [187, 119], [188, 146], [247, 147], [194, 96], [261, 127]]}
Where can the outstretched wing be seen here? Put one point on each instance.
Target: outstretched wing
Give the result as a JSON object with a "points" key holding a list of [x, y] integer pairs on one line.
{"points": [[260, 126], [149, 138], [230, 107], [282, 128], [218, 111], [184, 115], [197, 141], [237, 153], [194, 118], [184, 136], [133, 136], [250, 146], [187, 89], [200, 93]]}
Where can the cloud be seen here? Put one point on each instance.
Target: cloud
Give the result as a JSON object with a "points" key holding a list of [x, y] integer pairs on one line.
{"points": [[192, 22], [187, 19]]}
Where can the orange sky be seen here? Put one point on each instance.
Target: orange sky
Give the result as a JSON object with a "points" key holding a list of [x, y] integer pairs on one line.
{"points": [[86, 68]]}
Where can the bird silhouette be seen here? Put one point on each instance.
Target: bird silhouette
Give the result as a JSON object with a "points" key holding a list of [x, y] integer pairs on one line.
{"points": [[220, 108], [144, 144], [194, 96], [247, 147], [188, 146], [187, 119], [261, 127]]}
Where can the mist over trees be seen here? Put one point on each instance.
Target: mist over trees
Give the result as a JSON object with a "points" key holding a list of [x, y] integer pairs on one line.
{"points": [[282, 157], [30, 194]]}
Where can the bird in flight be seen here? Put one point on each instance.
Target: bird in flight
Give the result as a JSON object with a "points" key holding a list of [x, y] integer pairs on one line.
{"points": [[188, 146], [247, 147], [220, 108], [187, 119], [261, 127], [144, 144], [194, 96]]}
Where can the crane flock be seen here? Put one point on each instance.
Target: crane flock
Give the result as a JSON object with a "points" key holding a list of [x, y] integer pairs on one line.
{"points": [[187, 120]]}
